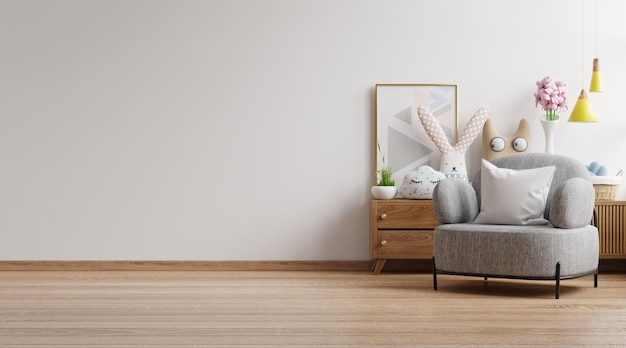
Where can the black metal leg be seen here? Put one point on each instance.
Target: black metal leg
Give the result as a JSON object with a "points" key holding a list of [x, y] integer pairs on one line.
{"points": [[434, 275], [595, 280], [485, 278], [558, 279]]}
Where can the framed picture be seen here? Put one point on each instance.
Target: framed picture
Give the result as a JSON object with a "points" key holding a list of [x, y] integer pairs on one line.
{"points": [[401, 141]]}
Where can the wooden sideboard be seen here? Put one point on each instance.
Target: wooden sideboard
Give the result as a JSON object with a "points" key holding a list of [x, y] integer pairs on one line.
{"points": [[611, 220], [403, 229]]}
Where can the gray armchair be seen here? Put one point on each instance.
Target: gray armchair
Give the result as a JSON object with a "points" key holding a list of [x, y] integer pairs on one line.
{"points": [[563, 246]]}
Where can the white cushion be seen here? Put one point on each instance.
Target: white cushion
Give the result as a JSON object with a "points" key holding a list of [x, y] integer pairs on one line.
{"points": [[513, 197]]}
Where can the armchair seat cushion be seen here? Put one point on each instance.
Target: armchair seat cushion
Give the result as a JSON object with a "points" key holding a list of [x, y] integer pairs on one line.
{"points": [[515, 251]]}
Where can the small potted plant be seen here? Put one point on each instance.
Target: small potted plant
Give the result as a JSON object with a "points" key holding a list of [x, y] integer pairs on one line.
{"points": [[386, 188]]}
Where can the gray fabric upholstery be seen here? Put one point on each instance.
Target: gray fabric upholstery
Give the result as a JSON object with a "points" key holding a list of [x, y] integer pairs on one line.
{"points": [[461, 246], [515, 251], [455, 201], [570, 204]]}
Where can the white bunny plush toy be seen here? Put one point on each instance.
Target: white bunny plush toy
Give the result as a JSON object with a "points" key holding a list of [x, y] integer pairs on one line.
{"points": [[453, 157]]}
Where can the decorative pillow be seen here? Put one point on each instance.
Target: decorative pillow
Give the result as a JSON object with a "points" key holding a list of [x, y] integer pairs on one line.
{"points": [[420, 183], [513, 197]]}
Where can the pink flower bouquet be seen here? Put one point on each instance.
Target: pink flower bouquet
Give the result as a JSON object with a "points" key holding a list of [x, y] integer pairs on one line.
{"points": [[551, 96]]}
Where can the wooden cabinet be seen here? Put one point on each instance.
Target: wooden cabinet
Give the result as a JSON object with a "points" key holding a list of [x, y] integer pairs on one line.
{"points": [[611, 218], [401, 229]]}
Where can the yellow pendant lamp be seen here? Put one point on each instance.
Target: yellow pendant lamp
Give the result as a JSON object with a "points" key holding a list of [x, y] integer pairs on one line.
{"points": [[583, 112], [596, 80]]}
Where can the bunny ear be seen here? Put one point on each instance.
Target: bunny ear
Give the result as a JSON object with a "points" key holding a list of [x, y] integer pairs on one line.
{"points": [[434, 130], [472, 129]]}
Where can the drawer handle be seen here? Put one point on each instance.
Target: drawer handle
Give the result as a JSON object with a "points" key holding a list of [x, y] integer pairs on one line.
{"points": [[383, 216], [383, 242]]}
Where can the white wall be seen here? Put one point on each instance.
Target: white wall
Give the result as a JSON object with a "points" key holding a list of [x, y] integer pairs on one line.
{"points": [[244, 130]]}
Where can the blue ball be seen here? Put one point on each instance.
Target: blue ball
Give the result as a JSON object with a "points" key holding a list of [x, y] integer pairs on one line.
{"points": [[593, 167]]}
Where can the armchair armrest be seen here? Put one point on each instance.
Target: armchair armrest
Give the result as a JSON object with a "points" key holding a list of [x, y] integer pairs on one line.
{"points": [[455, 201], [572, 204]]}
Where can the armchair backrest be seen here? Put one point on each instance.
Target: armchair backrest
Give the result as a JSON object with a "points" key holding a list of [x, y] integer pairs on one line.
{"points": [[566, 168]]}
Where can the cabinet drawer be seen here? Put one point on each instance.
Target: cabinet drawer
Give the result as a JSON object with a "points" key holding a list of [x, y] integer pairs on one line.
{"points": [[405, 214], [404, 244]]}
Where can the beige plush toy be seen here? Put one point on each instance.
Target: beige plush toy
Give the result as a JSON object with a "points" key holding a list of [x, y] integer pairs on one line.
{"points": [[496, 145]]}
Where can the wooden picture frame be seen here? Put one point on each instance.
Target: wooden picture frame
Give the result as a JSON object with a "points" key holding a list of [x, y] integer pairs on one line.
{"points": [[401, 141]]}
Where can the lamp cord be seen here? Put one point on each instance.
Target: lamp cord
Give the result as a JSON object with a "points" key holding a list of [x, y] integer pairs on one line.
{"points": [[582, 3], [596, 28]]}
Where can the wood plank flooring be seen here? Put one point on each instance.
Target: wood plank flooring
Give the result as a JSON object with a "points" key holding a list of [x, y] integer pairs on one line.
{"points": [[304, 309]]}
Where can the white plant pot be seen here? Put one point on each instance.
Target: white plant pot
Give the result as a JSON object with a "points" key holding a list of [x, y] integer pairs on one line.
{"points": [[384, 192]]}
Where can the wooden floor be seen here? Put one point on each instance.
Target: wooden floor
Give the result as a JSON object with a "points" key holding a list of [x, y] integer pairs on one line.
{"points": [[304, 309]]}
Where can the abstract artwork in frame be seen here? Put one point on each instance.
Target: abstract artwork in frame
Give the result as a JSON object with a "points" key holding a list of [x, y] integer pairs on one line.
{"points": [[401, 141]]}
